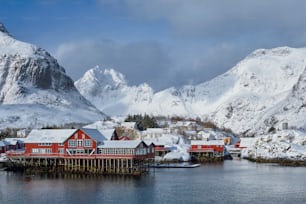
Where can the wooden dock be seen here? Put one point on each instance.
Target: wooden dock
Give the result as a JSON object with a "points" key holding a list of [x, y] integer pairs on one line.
{"points": [[81, 164]]}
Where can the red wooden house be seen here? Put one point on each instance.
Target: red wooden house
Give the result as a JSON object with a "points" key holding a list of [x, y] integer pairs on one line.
{"points": [[60, 142], [211, 148], [83, 150]]}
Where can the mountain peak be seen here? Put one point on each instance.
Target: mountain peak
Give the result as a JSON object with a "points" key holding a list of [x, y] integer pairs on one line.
{"points": [[117, 77], [3, 29], [109, 77]]}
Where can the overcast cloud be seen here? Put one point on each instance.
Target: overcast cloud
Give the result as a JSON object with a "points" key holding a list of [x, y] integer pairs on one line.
{"points": [[200, 40]]}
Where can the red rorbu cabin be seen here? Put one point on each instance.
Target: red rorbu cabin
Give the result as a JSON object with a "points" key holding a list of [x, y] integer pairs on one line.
{"points": [[208, 149], [60, 142]]}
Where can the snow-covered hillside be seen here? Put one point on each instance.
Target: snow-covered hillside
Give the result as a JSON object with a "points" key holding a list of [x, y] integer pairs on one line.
{"points": [[238, 100], [35, 90], [292, 110], [263, 80], [284, 144]]}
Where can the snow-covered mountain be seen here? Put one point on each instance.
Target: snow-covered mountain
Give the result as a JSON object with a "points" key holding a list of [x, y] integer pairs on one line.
{"points": [[263, 80], [108, 91], [242, 99], [35, 90]]}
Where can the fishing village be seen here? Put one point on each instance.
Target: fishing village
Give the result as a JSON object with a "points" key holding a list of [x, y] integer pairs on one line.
{"points": [[116, 148]]}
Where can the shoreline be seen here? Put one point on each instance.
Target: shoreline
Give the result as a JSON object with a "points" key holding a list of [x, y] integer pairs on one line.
{"points": [[280, 161]]}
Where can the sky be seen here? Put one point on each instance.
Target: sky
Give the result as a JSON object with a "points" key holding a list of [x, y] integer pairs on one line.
{"points": [[160, 42]]}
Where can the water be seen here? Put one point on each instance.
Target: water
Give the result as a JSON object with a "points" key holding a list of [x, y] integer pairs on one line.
{"points": [[228, 182]]}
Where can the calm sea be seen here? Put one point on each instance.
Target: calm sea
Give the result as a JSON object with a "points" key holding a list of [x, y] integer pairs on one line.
{"points": [[228, 182]]}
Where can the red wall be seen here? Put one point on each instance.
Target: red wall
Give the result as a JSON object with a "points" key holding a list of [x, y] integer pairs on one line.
{"points": [[55, 147], [214, 147]]}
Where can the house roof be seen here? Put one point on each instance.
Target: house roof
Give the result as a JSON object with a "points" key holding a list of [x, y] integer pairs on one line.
{"points": [[204, 142], [13, 141], [94, 134], [155, 130], [121, 144], [155, 142], [131, 125], [60, 135], [108, 133], [49, 135]]}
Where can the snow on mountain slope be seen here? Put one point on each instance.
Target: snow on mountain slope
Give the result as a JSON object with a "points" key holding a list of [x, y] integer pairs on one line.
{"points": [[35, 89], [108, 91], [237, 100], [265, 78], [291, 110]]}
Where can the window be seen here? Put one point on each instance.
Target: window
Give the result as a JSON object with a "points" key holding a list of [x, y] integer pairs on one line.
{"points": [[44, 144], [71, 143], [87, 143], [80, 143], [35, 150], [80, 151], [61, 144], [61, 150]]}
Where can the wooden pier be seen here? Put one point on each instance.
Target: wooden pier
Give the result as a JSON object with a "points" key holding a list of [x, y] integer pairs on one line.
{"points": [[94, 164]]}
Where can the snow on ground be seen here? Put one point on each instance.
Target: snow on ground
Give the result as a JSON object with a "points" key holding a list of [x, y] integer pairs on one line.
{"points": [[179, 152], [175, 143], [39, 115], [284, 144]]}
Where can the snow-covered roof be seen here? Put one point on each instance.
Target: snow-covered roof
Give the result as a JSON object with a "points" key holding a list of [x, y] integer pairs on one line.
{"points": [[120, 144], [94, 134], [148, 142], [108, 133], [154, 130], [49, 135], [13, 141], [60, 135], [155, 142], [129, 124], [247, 141], [204, 142]]}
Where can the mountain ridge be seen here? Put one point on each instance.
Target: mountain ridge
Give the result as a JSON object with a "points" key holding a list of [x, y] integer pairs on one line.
{"points": [[233, 100]]}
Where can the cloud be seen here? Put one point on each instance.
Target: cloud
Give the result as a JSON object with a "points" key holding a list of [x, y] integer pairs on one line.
{"points": [[213, 16], [139, 61], [200, 39]]}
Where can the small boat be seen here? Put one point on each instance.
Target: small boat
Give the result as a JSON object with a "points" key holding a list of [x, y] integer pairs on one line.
{"points": [[179, 165]]}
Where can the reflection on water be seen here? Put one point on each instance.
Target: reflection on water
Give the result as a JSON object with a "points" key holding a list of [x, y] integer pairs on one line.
{"points": [[228, 182]]}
